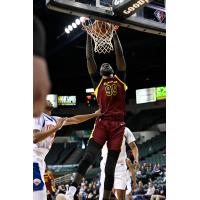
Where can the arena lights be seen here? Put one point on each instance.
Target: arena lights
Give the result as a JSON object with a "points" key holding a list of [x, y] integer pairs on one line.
{"points": [[67, 30], [82, 19], [70, 27], [77, 21], [74, 25]]}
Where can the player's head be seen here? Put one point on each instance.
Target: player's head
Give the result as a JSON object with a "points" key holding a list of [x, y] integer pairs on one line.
{"points": [[48, 107], [106, 70]]}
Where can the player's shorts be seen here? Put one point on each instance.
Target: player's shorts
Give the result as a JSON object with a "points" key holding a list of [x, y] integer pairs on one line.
{"points": [[39, 188], [120, 178], [110, 131]]}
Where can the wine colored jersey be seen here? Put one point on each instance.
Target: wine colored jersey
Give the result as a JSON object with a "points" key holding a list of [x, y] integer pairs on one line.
{"points": [[111, 93]]}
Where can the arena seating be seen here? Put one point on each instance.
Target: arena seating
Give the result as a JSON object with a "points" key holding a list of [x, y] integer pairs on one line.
{"points": [[53, 154], [75, 157], [152, 146], [59, 153]]}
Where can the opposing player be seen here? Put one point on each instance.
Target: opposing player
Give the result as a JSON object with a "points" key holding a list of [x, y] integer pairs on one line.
{"points": [[44, 131], [110, 91], [121, 176]]}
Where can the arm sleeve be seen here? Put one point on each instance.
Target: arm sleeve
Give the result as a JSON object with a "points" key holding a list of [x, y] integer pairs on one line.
{"points": [[56, 118], [129, 136]]}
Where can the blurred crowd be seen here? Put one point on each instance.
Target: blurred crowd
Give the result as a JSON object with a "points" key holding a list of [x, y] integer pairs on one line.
{"points": [[150, 178]]}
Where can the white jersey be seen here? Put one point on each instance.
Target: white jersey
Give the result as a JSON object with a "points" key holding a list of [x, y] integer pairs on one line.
{"points": [[43, 123], [40, 150], [128, 137]]}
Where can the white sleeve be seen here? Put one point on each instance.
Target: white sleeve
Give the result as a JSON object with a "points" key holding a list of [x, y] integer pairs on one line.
{"points": [[38, 123], [56, 118], [129, 135]]}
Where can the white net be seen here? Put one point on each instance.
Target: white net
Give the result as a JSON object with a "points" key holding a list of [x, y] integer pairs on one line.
{"points": [[101, 33]]}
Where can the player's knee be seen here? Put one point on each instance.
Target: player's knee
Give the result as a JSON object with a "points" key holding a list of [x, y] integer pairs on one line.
{"points": [[88, 159], [111, 162]]}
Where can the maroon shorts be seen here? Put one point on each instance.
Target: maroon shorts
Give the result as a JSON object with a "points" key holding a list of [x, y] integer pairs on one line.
{"points": [[110, 131]]}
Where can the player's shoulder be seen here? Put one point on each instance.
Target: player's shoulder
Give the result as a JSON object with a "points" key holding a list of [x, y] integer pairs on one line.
{"points": [[127, 131], [46, 116]]}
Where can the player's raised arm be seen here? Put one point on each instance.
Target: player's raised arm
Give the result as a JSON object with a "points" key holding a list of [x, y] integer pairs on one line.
{"points": [[91, 64], [120, 61], [81, 118]]}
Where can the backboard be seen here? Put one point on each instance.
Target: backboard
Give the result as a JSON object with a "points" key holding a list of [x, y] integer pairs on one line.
{"points": [[142, 15]]}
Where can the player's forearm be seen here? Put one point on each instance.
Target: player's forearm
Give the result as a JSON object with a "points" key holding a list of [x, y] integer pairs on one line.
{"points": [[79, 119], [91, 64], [89, 48], [134, 180], [39, 136], [135, 151], [120, 61]]}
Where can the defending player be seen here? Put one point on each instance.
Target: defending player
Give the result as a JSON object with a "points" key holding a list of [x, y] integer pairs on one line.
{"points": [[110, 91], [44, 131], [121, 177]]}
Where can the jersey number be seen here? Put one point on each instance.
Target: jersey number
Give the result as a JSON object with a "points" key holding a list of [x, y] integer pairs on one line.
{"points": [[111, 90]]}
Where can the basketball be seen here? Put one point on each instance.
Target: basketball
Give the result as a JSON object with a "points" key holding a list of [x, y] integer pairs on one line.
{"points": [[101, 27]]}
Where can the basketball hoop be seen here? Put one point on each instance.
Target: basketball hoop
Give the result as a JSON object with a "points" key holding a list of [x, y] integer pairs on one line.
{"points": [[102, 34]]}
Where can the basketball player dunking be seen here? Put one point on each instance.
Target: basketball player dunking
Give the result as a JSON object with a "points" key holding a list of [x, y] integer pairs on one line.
{"points": [[110, 91]]}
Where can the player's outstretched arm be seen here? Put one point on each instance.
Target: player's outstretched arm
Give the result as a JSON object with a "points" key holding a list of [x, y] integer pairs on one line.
{"points": [[81, 118], [91, 64], [120, 61], [39, 136]]}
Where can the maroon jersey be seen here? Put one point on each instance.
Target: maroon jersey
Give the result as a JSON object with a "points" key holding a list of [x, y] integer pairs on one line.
{"points": [[110, 95]]}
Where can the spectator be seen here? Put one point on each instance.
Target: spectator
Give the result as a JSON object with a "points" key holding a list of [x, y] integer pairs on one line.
{"points": [[161, 195], [60, 190], [150, 191], [140, 189], [139, 192]]}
